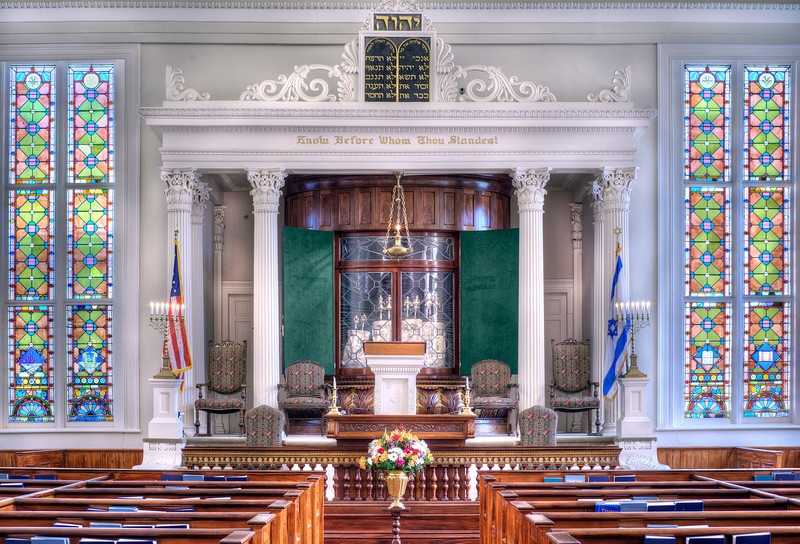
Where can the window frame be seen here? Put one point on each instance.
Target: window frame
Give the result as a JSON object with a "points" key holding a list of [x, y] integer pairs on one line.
{"points": [[125, 381], [671, 235]]}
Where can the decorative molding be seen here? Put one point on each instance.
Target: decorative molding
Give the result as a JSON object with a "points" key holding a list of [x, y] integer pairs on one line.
{"points": [[176, 91], [613, 186], [620, 90], [496, 87], [444, 6], [219, 227], [530, 191], [161, 454], [267, 185], [576, 219], [567, 113], [201, 193]]}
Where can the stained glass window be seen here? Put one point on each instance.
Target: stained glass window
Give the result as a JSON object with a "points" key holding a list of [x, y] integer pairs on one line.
{"points": [[90, 118], [30, 331], [365, 314], [31, 250], [707, 123], [749, 379], [766, 241], [708, 363], [89, 243], [707, 241], [767, 359], [767, 115], [89, 374], [428, 315], [60, 223], [32, 138]]}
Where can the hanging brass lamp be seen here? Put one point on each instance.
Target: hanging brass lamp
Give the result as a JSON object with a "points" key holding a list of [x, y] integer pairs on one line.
{"points": [[395, 246]]}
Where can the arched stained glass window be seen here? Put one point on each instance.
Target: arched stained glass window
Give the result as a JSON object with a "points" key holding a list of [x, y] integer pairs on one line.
{"points": [[60, 188], [758, 301]]}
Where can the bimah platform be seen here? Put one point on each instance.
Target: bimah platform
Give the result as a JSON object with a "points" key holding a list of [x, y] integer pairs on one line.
{"points": [[438, 430]]}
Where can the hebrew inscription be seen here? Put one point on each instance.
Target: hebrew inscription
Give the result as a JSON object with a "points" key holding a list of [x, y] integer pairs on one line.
{"points": [[397, 69]]}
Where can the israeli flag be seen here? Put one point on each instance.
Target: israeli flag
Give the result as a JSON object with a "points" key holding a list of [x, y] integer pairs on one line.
{"points": [[616, 340]]}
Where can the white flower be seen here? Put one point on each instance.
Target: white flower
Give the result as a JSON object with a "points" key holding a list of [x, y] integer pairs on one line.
{"points": [[392, 456]]}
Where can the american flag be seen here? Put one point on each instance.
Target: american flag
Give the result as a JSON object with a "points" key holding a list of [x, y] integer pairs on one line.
{"points": [[180, 360]]}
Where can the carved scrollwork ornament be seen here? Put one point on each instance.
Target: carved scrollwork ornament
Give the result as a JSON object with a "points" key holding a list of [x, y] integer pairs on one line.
{"points": [[177, 92], [219, 227], [529, 185], [267, 185], [620, 90], [615, 185], [180, 188], [202, 192], [597, 201], [498, 87]]}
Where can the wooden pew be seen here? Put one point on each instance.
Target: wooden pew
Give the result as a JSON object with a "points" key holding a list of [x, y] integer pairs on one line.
{"points": [[780, 535], [231, 535]]}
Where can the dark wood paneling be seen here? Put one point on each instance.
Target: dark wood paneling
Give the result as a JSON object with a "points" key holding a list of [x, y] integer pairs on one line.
{"points": [[444, 203], [116, 459]]}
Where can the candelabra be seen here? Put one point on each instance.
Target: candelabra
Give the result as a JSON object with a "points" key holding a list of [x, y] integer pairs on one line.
{"points": [[160, 319], [334, 410], [467, 409], [638, 315]]}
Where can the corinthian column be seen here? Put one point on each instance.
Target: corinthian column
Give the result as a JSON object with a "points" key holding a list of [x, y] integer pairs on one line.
{"points": [[266, 194], [576, 218], [180, 193], [612, 198], [530, 191], [219, 240], [196, 303]]}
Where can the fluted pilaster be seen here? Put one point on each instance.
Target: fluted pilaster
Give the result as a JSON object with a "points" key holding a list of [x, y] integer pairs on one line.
{"points": [[530, 191], [266, 193], [576, 219], [612, 194], [180, 194], [219, 241]]}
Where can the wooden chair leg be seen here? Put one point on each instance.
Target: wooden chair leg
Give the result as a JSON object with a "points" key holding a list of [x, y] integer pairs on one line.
{"points": [[208, 423], [241, 423], [196, 422]]}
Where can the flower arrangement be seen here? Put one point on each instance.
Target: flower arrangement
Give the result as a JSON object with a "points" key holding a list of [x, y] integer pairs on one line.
{"points": [[397, 450]]}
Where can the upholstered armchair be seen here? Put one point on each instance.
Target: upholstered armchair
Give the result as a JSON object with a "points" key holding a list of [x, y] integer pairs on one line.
{"points": [[302, 393], [493, 393], [572, 389], [225, 391], [537, 426], [264, 426]]}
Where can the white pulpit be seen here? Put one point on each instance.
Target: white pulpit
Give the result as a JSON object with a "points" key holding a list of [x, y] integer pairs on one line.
{"points": [[163, 446], [395, 365]]}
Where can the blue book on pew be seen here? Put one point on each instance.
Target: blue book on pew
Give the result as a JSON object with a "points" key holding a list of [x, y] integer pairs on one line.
{"points": [[606, 506], [189, 509], [170, 477], [20, 477], [661, 506], [90, 509], [632, 506], [12, 484], [106, 524], [50, 540], [762, 477], [138, 526], [599, 478], [574, 478], [136, 541], [214, 478], [87, 540], [658, 539], [782, 476], [64, 524], [242, 478], [3, 476], [132, 498], [176, 487], [753, 538], [172, 525], [694, 505], [123, 508], [706, 539], [644, 498], [553, 479], [14, 540], [193, 478], [661, 526], [44, 476], [625, 478]]}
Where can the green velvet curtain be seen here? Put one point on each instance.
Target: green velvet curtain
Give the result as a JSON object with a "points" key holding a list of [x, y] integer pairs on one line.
{"points": [[308, 320], [489, 303]]}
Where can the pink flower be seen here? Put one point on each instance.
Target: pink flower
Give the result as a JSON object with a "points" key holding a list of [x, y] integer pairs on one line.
{"points": [[400, 462]]}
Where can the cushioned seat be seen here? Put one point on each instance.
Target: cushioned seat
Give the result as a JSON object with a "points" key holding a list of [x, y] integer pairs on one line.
{"points": [[225, 391], [264, 426], [572, 389], [492, 390], [537, 426], [302, 393]]}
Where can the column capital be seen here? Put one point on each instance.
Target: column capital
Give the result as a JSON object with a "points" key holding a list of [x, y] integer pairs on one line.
{"points": [[181, 184], [267, 185], [529, 184], [612, 186], [200, 197], [219, 226]]}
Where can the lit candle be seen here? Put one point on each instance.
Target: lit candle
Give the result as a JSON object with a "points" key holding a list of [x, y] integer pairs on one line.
{"points": [[152, 305], [334, 382], [467, 383]]}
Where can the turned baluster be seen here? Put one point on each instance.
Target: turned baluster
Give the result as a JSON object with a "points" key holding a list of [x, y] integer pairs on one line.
{"points": [[412, 485], [457, 483], [380, 489], [370, 486], [346, 486], [423, 484], [445, 483], [434, 485], [358, 485]]}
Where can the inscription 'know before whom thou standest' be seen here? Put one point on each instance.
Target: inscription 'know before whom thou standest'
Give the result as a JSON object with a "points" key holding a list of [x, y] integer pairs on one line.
{"points": [[397, 69]]}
